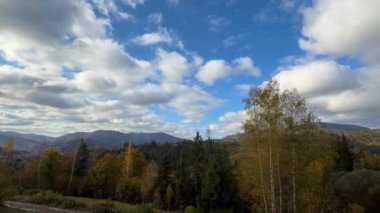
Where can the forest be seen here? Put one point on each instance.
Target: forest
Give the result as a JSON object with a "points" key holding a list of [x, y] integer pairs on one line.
{"points": [[282, 163]]}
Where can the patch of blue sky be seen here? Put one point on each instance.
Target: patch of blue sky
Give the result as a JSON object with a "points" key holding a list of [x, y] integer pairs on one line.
{"points": [[70, 72]]}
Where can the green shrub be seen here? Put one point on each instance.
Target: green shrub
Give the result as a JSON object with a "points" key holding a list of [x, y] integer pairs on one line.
{"points": [[139, 208], [54, 199], [103, 208], [190, 209]]}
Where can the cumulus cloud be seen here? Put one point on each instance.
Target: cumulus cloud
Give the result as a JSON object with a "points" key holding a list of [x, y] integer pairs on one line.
{"points": [[337, 92], [342, 27], [173, 66], [217, 23], [318, 77], [214, 70], [110, 88], [229, 123]]}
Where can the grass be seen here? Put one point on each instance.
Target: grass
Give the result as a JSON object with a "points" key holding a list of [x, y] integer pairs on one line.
{"points": [[84, 204], [10, 210]]}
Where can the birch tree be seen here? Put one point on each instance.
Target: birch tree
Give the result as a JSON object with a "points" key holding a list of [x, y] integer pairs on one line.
{"points": [[280, 144]]}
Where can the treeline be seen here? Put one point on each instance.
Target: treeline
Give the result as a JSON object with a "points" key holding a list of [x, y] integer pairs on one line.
{"points": [[283, 163]]}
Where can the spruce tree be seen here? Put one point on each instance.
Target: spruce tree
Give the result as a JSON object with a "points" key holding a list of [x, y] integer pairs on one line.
{"points": [[81, 160], [344, 160], [219, 189]]}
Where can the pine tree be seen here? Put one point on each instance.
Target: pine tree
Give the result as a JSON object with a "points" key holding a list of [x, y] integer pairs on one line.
{"points": [[182, 183], [219, 189], [162, 182], [82, 160], [198, 161], [344, 160]]}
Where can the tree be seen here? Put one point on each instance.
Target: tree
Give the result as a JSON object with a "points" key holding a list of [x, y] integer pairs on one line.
{"points": [[49, 167], [133, 167], [219, 190], [148, 180], [344, 160], [181, 180], [283, 159], [9, 146], [4, 183], [81, 160], [162, 182], [197, 166], [80, 163], [104, 176]]}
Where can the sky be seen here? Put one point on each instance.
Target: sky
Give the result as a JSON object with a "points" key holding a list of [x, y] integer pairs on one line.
{"points": [[181, 66]]}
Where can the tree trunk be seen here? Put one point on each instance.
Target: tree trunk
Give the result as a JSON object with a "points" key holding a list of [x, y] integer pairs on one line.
{"points": [[279, 182], [262, 179], [294, 180], [272, 187], [72, 173], [38, 172]]}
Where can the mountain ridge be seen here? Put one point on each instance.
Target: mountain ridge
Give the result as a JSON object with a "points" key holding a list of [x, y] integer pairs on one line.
{"points": [[101, 138]]}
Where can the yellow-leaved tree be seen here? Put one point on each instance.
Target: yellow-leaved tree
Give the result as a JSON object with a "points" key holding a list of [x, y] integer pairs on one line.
{"points": [[283, 158]]}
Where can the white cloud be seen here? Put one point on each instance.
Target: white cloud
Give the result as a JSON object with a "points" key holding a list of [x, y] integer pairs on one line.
{"points": [[339, 93], [230, 123], [243, 88], [230, 41], [110, 88], [173, 66], [133, 3], [191, 101], [109, 7], [162, 36], [245, 64], [172, 2], [214, 70], [217, 23], [342, 27], [317, 77], [156, 18]]}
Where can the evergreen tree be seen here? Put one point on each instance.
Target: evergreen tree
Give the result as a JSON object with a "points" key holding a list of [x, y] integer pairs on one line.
{"points": [[219, 189], [162, 182], [344, 160], [182, 186], [197, 167], [81, 160]]}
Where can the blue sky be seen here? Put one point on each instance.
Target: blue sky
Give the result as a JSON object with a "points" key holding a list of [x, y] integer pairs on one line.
{"points": [[180, 66]]}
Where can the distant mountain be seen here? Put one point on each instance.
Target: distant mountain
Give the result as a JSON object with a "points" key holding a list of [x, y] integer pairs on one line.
{"points": [[100, 138], [109, 139], [341, 128], [24, 141], [332, 127]]}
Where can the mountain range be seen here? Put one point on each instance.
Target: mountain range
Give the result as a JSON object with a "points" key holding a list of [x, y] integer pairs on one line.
{"points": [[109, 139], [100, 138]]}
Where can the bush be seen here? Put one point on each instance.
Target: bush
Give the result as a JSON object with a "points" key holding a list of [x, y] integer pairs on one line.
{"points": [[139, 208], [190, 209], [106, 207], [54, 199]]}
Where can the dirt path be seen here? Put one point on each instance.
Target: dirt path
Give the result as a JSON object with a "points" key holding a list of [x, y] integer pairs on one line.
{"points": [[36, 208]]}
